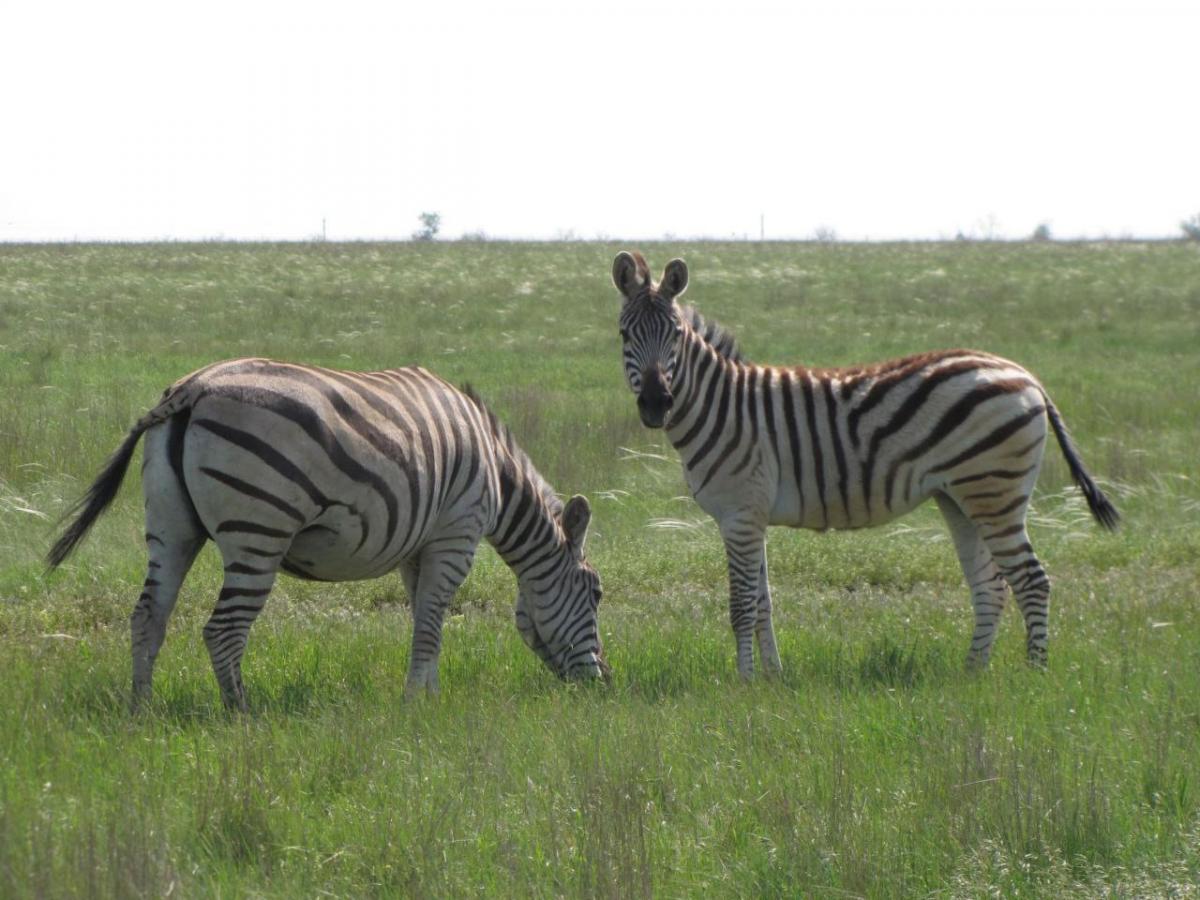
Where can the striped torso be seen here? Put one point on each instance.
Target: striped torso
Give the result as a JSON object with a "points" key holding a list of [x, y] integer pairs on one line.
{"points": [[363, 468], [844, 448]]}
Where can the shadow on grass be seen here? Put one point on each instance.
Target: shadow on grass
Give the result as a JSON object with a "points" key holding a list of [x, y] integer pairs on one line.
{"points": [[889, 664], [190, 701], [299, 680], [304, 688], [882, 664]]}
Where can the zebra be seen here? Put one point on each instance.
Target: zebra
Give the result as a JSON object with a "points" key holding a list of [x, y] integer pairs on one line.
{"points": [[334, 475], [847, 448]]}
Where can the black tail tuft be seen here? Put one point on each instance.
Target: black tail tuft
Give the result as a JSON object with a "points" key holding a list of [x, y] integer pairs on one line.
{"points": [[1102, 509], [97, 499]]}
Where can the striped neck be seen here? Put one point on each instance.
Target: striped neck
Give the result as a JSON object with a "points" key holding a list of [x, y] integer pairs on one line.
{"points": [[528, 512], [528, 535], [700, 371], [714, 334]]}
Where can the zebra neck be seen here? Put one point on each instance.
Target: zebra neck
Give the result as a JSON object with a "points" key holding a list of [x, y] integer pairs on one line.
{"points": [[700, 376], [528, 536]]}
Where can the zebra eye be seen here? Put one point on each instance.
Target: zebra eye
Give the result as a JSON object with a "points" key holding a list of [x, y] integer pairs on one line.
{"points": [[624, 335]]}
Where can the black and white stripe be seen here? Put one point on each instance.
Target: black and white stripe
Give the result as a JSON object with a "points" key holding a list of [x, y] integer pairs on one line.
{"points": [[339, 476], [847, 448]]}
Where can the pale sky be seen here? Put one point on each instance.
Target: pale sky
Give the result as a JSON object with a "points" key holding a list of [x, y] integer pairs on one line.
{"points": [[134, 121]]}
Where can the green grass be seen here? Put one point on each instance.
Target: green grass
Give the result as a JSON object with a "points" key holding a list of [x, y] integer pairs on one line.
{"points": [[874, 767]]}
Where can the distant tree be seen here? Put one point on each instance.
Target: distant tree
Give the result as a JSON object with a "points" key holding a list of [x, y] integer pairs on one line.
{"points": [[478, 236], [431, 222], [825, 235], [1191, 228], [1041, 233]]}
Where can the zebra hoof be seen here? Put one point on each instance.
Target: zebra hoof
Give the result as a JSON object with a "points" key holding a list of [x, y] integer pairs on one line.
{"points": [[975, 664], [139, 702]]}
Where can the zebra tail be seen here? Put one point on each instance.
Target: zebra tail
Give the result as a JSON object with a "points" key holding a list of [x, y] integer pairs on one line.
{"points": [[88, 508], [1102, 509]]}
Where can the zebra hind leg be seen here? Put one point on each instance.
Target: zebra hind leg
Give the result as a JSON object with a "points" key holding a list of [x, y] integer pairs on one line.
{"points": [[170, 560], [250, 572], [998, 512], [174, 536], [989, 591], [1030, 585]]}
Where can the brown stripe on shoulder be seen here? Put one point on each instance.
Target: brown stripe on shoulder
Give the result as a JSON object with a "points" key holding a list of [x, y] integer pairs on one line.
{"points": [[904, 365]]}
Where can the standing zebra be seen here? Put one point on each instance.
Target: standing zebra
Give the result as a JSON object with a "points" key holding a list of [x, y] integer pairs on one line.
{"points": [[340, 476], [846, 448]]}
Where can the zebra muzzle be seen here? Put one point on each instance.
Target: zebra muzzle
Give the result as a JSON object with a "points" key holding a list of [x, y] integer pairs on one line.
{"points": [[655, 400]]}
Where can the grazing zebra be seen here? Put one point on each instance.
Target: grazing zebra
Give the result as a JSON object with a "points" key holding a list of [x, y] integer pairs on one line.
{"points": [[846, 448], [340, 476]]}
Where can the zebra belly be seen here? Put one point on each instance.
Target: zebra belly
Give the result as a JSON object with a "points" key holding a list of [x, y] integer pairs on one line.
{"points": [[788, 510], [331, 549], [833, 514]]}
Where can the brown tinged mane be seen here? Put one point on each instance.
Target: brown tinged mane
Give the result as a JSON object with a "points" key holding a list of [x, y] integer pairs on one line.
{"points": [[519, 457], [717, 336]]}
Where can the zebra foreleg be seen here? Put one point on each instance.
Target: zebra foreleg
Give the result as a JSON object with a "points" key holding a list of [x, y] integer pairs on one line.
{"points": [[764, 630], [248, 581], [989, 591], [442, 571], [744, 552]]}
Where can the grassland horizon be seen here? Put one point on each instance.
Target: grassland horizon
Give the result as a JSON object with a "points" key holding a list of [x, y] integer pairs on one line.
{"points": [[874, 767]]}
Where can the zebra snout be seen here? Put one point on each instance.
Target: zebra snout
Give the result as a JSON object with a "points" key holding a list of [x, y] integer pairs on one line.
{"points": [[654, 411], [597, 670], [654, 401]]}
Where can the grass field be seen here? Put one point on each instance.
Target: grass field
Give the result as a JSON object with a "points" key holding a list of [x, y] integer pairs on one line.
{"points": [[875, 767]]}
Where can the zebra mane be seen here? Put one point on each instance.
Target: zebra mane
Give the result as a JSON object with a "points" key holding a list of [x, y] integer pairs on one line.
{"points": [[520, 458], [715, 335]]}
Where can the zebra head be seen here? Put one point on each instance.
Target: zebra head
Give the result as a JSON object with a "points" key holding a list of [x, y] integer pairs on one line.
{"points": [[652, 328], [556, 611]]}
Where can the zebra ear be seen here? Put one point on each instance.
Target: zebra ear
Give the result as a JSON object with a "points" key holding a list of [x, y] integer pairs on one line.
{"points": [[674, 281], [575, 517], [630, 273]]}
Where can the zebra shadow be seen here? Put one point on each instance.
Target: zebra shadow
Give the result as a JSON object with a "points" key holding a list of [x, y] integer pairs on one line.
{"points": [[187, 701], [882, 664]]}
